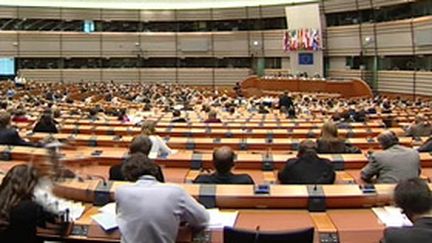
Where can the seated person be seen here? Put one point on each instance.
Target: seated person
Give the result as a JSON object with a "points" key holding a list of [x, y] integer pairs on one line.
{"points": [[307, 168], [159, 147], [414, 197], [19, 213], [8, 135], [46, 124], [420, 127], [149, 211], [20, 116], [177, 117], [394, 163], [223, 161], [212, 117], [330, 142], [140, 144], [426, 146], [262, 109]]}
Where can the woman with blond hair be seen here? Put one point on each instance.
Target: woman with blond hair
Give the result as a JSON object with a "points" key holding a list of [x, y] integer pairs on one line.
{"points": [[330, 142], [159, 147]]}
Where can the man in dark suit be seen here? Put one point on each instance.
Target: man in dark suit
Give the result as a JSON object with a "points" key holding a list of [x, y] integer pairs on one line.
{"points": [[8, 135], [177, 117], [223, 161], [307, 168], [415, 199], [141, 144], [286, 104]]}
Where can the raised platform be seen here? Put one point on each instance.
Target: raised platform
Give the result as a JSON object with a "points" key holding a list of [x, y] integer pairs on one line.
{"points": [[254, 85]]}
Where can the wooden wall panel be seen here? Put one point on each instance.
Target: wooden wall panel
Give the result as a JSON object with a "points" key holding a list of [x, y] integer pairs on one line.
{"points": [[273, 43], [39, 44], [193, 76], [394, 38], [193, 14], [8, 12], [120, 44], [424, 83], [334, 6], [42, 75], [126, 75], [39, 13], [77, 75], [158, 75], [423, 24], [8, 43], [227, 76], [343, 40], [81, 44], [120, 15], [344, 74], [158, 44], [82, 14], [396, 81], [231, 44], [161, 15]]}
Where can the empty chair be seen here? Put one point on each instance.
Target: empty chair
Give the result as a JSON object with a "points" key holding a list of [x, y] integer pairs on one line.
{"points": [[232, 235]]}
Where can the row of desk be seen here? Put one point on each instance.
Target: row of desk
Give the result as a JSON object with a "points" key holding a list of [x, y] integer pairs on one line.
{"points": [[83, 156], [190, 143], [345, 225], [225, 132]]}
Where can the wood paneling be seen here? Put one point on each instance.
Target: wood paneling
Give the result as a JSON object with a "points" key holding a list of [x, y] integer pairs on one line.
{"points": [[189, 76], [8, 43]]}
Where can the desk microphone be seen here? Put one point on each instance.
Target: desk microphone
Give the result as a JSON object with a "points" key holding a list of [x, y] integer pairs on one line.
{"points": [[101, 178], [257, 234]]}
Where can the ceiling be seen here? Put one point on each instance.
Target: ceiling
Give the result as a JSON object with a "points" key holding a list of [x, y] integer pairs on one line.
{"points": [[148, 4]]}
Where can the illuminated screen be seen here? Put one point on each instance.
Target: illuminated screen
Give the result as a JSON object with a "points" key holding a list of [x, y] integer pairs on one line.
{"points": [[7, 66], [89, 26]]}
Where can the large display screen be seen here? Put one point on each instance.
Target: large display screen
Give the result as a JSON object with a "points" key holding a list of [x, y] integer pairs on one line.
{"points": [[7, 66]]}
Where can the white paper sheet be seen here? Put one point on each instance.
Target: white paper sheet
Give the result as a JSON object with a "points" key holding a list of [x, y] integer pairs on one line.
{"points": [[392, 216], [220, 219], [106, 220]]}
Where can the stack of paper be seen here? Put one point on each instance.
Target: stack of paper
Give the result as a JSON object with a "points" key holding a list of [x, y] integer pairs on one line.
{"points": [[220, 219], [107, 217], [392, 216]]}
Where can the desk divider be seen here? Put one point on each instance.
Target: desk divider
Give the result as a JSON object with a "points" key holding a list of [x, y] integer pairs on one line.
{"points": [[190, 144], [207, 195], [338, 162], [316, 201], [196, 161], [267, 162]]}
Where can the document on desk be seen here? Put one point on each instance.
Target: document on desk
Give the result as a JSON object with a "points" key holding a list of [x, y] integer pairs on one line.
{"points": [[107, 217], [392, 216], [220, 219]]}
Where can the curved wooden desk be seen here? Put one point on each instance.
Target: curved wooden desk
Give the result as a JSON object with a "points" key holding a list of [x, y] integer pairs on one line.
{"points": [[347, 89]]}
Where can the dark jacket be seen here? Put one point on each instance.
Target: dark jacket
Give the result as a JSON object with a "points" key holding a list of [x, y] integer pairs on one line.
{"points": [[286, 101], [45, 127], [336, 146], [23, 220], [307, 169], [426, 146], [420, 232], [115, 174], [229, 178], [9, 136]]}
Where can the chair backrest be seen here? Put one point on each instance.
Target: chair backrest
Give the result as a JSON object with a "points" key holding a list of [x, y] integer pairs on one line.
{"points": [[232, 235]]}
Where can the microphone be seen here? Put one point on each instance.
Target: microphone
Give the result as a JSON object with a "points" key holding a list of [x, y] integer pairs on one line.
{"points": [[257, 234]]}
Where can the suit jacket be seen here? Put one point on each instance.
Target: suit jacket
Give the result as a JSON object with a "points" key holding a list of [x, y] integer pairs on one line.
{"points": [[337, 146], [229, 178], [419, 130], [23, 220], [115, 174], [426, 146], [44, 127], [148, 211], [10, 136], [420, 232], [307, 169], [392, 165], [286, 101]]}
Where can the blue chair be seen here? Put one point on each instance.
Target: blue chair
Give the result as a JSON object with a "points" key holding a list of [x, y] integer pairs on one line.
{"points": [[232, 235]]}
